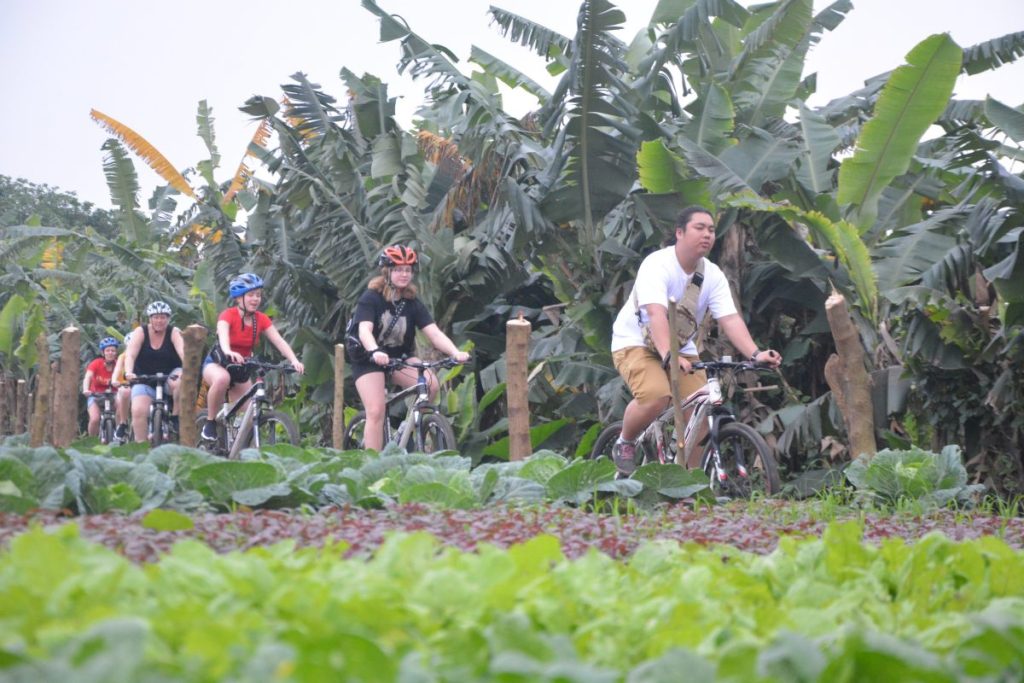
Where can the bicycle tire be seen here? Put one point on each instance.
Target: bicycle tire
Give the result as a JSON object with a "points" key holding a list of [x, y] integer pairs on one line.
{"points": [[156, 436], [435, 434], [762, 471], [276, 427], [107, 429], [354, 432]]}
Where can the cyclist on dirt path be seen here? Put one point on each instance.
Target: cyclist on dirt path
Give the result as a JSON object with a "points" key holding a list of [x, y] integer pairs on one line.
{"points": [[667, 273], [387, 315], [97, 380], [236, 340]]}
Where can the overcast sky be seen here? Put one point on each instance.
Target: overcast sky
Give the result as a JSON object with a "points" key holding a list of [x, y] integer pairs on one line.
{"points": [[148, 65]]}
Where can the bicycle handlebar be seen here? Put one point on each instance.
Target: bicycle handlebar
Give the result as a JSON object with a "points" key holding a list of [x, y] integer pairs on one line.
{"points": [[262, 365], [730, 365], [141, 379], [398, 363]]}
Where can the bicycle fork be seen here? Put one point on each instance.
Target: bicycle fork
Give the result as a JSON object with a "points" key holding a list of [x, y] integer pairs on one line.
{"points": [[718, 471]]}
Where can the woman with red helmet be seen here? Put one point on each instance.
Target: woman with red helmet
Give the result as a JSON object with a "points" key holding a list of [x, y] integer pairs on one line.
{"points": [[387, 316]]}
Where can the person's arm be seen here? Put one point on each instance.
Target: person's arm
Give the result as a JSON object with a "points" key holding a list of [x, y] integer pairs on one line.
{"points": [[377, 355], [442, 343], [131, 352], [118, 371], [87, 382], [224, 342], [179, 343], [738, 334], [286, 350]]}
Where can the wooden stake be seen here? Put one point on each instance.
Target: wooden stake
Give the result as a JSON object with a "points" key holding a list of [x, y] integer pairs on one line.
{"points": [[855, 389], [41, 410], [338, 418], [66, 386], [517, 347], [194, 338], [673, 378]]}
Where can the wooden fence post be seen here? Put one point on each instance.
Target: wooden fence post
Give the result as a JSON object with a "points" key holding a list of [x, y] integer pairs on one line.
{"points": [[66, 385], [338, 418], [41, 410], [195, 343], [24, 400], [850, 381], [517, 347], [673, 378]]}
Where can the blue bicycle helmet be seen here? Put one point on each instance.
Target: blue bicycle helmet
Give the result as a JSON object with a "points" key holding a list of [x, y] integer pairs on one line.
{"points": [[108, 341], [246, 282]]}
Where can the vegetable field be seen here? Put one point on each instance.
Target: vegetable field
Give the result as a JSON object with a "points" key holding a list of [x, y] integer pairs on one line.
{"points": [[310, 564]]}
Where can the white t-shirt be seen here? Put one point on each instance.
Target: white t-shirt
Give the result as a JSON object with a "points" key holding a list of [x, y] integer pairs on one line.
{"points": [[660, 277]]}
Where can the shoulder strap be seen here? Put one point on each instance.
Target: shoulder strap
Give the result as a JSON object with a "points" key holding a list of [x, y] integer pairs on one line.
{"points": [[693, 289], [399, 307]]}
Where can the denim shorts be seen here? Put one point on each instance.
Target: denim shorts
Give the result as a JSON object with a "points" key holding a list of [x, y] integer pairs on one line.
{"points": [[146, 390]]}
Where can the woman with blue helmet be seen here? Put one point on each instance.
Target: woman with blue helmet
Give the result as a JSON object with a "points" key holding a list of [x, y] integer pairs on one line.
{"points": [[239, 328], [97, 380]]}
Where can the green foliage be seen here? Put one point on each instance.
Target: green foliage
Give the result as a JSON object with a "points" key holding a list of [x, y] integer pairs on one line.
{"points": [[894, 475], [828, 608]]}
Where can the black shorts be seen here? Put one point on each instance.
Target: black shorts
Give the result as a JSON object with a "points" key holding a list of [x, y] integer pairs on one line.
{"points": [[360, 369]]}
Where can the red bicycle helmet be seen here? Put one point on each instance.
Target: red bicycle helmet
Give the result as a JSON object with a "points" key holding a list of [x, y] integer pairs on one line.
{"points": [[397, 255]]}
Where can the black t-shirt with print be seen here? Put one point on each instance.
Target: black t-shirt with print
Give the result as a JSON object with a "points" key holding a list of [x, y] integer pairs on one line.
{"points": [[372, 306]]}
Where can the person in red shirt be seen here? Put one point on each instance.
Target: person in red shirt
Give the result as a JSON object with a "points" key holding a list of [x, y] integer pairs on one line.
{"points": [[97, 380], [238, 330]]}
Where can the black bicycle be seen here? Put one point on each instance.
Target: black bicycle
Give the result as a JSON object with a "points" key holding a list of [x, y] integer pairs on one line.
{"points": [[159, 423], [253, 423], [108, 416], [431, 429]]}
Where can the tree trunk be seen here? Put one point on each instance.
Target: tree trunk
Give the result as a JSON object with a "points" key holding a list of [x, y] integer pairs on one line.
{"points": [[517, 346], [41, 411], [24, 400], [195, 343], [6, 409], [852, 377], [66, 385], [338, 417]]}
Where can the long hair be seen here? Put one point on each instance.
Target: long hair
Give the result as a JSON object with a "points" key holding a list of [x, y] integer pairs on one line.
{"points": [[382, 285]]}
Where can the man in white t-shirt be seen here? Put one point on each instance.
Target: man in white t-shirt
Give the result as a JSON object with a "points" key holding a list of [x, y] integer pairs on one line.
{"points": [[663, 274]]}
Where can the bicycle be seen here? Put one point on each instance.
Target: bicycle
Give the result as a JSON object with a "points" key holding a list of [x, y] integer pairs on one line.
{"points": [[736, 459], [159, 428], [431, 429], [108, 416], [258, 424]]}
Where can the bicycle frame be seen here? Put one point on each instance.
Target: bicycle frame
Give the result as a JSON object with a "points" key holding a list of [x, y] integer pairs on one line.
{"points": [[159, 401], [254, 401], [420, 406], [706, 404]]}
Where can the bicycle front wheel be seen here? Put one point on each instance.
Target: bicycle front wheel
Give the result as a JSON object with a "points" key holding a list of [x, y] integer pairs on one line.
{"points": [[156, 428], [107, 428], [739, 443], [354, 432], [276, 427], [435, 434]]}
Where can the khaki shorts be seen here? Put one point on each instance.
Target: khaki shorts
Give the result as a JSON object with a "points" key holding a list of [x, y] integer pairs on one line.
{"points": [[647, 380]]}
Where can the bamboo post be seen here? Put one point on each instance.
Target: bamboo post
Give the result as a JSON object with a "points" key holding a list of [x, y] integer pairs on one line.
{"points": [[852, 378], [24, 399], [673, 378], [517, 346], [65, 388], [338, 418], [194, 338], [41, 410]]}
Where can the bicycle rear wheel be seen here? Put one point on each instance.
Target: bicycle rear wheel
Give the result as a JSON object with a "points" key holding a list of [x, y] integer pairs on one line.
{"points": [[645, 451], [276, 427], [435, 434], [741, 443]]}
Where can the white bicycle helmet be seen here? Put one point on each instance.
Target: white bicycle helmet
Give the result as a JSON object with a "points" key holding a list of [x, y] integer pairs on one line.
{"points": [[157, 308]]}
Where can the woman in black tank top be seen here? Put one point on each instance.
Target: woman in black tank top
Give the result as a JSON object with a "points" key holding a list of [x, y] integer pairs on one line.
{"points": [[142, 358]]}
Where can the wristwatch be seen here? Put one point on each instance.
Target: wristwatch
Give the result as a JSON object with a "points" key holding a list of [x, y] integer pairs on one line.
{"points": [[753, 356]]}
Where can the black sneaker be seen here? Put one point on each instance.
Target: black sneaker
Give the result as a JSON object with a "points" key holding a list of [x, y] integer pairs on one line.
{"points": [[209, 432], [121, 432]]}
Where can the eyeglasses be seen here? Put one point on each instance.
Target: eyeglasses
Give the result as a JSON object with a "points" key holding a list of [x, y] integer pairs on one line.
{"points": [[402, 270]]}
